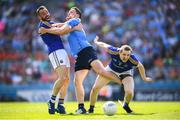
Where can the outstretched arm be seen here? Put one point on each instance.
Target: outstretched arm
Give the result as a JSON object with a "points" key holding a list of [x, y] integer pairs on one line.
{"points": [[56, 30], [142, 72], [58, 24], [101, 44], [64, 29]]}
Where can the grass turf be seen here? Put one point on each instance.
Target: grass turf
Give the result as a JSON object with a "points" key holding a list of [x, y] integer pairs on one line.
{"points": [[38, 111]]}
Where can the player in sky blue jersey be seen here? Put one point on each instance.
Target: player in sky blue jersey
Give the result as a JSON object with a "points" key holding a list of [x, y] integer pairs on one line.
{"points": [[122, 64], [83, 52], [59, 60]]}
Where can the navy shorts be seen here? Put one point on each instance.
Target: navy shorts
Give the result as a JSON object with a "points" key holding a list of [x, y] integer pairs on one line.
{"points": [[124, 76], [84, 59]]}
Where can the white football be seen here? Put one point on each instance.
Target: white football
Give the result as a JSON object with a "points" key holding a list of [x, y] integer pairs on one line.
{"points": [[110, 108]]}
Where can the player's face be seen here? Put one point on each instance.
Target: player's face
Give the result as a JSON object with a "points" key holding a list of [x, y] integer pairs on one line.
{"points": [[71, 14], [124, 55], [44, 15]]}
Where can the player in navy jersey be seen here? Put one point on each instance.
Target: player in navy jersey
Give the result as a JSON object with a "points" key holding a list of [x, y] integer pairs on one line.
{"points": [[83, 52], [122, 64], [59, 60]]}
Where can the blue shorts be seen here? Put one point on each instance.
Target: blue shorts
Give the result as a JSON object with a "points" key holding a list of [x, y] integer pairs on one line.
{"points": [[84, 59]]}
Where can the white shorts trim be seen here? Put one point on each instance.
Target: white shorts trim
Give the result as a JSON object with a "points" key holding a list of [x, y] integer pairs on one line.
{"points": [[58, 58], [130, 72]]}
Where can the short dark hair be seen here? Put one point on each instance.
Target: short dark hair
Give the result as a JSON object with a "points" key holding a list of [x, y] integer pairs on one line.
{"points": [[78, 11], [126, 48], [40, 8]]}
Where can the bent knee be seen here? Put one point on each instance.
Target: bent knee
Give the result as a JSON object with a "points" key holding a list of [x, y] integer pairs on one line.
{"points": [[100, 71], [77, 82], [63, 78]]}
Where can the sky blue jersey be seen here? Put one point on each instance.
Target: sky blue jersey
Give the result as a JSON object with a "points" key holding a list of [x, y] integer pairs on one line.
{"points": [[77, 41], [117, 64], [52, 41]]}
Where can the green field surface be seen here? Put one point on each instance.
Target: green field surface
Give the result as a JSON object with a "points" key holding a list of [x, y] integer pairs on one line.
{"points": [[38, 111]]}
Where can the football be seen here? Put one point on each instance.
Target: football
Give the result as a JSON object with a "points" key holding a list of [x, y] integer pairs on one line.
{"points": [[109, 108]]}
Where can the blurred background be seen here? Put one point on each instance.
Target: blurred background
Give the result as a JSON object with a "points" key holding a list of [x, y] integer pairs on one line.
{"points": [[151, 27]]}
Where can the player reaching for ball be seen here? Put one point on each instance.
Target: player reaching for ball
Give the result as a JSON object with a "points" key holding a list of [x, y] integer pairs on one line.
{"points": [[122, 64]]}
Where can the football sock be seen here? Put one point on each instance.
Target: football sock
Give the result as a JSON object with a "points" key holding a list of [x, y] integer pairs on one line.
{"points": [[81, 105], [126, 104], [53, 98], [127, 108], [61, 101], [91, 107]]}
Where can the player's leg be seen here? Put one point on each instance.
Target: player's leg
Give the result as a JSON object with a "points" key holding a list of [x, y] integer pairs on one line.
{"points": [[79, 89], [62, 77], [59, 61], [99, 83], [100, 69], [62, 93], [82, 67], [56, 87], [128, 83]]}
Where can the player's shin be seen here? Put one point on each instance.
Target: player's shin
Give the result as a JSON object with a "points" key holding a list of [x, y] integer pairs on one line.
{"points": [[93, 99], [127, 99], [57, 86]]}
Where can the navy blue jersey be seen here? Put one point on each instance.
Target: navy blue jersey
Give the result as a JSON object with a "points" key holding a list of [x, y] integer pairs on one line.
{"points": [[52, 41], [117, 64]]}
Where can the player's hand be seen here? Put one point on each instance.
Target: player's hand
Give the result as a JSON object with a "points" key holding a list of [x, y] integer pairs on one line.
{"points": [[42, 30], [96, 39], [148, 79]]}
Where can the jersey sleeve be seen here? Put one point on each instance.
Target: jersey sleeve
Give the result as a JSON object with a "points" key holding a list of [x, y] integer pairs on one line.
{"points": [[73, 22], [113, 50], [44, 24], [133, 60], [40, 25]]}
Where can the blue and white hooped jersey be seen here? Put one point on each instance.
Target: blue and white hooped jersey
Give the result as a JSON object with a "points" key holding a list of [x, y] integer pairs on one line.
{"points": [[77, 41], [52, 41], [117, 64]]}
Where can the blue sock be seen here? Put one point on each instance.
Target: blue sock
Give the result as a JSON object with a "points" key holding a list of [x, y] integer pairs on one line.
{"points": [[53, 98], [61, 101], [126, 104]]}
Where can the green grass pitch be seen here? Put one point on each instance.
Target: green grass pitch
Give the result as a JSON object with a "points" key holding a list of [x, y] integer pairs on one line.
{"points": [[38, 111]]}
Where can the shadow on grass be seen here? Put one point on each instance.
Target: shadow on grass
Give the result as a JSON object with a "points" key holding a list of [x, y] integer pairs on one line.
{"points": [[94, 114], [137, 114], [85, 114]]}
